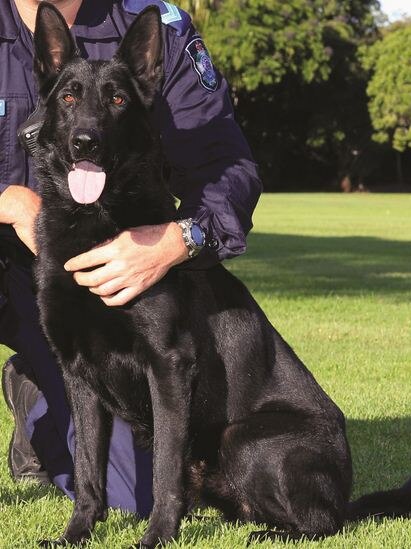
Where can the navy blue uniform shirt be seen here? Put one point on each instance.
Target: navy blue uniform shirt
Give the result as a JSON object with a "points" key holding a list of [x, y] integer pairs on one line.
{"points": [[211, 168]]}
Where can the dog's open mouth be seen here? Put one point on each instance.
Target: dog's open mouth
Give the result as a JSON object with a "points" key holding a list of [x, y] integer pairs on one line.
{"points": [[86, 182]]}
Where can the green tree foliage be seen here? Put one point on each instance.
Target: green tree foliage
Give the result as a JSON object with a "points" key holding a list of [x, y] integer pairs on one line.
{"points": [[200, 10], [259, 42], [389, 88], [297, 82]]}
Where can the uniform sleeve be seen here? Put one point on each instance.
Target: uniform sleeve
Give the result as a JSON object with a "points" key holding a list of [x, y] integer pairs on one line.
{"points": [[211, 168]]}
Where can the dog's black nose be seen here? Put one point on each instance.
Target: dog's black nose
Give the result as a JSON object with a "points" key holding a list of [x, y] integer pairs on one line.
{"points": [[86, 142]]}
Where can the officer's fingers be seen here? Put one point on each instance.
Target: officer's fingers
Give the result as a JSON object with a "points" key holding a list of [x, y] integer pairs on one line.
{"points": [[109, 288], [95, 277], [122, 297], [97, 256]]}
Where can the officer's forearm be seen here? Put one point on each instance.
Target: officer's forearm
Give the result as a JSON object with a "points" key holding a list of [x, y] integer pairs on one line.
{"points": [[17, 203], [19, 207], [223, 207]]}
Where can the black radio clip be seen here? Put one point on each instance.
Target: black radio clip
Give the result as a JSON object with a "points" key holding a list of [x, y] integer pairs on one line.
{"points": [[28, 131]]}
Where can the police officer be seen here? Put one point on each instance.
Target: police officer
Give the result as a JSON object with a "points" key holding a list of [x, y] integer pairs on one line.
{"points": [[210, 170]]}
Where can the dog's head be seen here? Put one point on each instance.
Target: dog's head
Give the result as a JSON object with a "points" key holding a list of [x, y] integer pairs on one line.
{"points": [[96, 113]]}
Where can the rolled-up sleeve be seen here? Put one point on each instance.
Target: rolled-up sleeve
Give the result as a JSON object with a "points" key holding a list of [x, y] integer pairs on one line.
{"points": [[212, 171]]}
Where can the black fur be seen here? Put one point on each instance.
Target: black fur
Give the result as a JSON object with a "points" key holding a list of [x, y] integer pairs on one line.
{"points": [[234, 418], [394, 503]]}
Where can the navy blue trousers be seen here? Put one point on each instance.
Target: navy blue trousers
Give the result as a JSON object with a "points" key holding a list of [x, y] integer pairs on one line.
{"points": [[49, 426]]}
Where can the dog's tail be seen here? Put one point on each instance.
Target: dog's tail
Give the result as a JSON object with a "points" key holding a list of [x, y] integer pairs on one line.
{"points": [[394, 503]]}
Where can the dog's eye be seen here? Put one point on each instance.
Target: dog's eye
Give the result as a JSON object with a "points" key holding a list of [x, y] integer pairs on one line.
{"points": [[68, 98], [118, 100]]}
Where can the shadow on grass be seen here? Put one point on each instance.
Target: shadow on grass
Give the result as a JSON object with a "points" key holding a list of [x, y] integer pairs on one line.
{"points": [[27, 492], [295, 265], [381, 452]]}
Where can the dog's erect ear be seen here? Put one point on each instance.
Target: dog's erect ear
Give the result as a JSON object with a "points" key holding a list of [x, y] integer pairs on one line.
{"points": [[142, 51], [53, 42]]}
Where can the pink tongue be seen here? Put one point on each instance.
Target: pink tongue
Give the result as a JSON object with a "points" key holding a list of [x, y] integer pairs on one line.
{"points": [[86, 182]]}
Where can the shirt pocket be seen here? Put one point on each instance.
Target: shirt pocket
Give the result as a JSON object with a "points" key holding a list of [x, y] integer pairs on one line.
{"points": [[13, 160]]}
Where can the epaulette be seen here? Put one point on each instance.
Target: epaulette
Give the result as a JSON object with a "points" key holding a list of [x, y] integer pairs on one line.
{"points": [[170, 15]]}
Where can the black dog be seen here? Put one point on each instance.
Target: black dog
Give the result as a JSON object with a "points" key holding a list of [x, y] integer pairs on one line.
{"points": [[234, 417]]}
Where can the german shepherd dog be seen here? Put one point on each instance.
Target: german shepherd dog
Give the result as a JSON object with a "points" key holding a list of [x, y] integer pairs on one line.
{"points": [[234, 418]]}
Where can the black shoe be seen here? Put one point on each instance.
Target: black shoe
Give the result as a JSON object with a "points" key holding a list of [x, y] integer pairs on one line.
{"points": [[21, 394]]}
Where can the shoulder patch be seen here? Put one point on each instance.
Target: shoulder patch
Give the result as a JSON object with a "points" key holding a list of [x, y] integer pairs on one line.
{"points": [[202, 63], [171, 15]]}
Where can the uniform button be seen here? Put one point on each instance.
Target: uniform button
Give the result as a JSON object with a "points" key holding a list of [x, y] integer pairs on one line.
{"points": [[213, 244]]}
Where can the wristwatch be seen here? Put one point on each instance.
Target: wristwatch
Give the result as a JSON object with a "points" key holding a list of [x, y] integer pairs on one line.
{"points": [[193, 236]]}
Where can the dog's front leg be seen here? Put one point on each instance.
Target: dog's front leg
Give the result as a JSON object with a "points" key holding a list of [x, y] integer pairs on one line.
{"points": [[170, 390], [92, 426]]}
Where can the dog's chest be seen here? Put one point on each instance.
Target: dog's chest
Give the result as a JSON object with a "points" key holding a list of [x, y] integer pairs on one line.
{"points": [[97, 343], [122, 389]]}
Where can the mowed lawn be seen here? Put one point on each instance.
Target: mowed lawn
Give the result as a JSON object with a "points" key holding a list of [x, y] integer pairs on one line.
{"points": [[333, 273]]}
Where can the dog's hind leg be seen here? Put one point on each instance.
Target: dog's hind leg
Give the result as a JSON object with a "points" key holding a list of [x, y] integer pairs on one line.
{"points": [[285, 479], [92, 426]]}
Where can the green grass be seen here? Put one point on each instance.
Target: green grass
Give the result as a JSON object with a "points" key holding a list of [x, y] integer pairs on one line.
{"points": [[333, 273]]}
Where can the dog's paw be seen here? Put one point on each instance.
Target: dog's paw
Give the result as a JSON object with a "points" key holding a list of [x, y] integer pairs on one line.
{"points": [[200, 518], [60, 542], [145, 543], [261, 536], [52, 543]]}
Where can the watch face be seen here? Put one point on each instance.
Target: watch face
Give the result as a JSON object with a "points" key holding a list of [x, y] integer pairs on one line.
{"points": [[197, 235]]}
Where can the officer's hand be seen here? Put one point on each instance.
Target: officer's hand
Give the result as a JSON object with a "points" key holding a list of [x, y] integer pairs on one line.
{"points": [[130, 263], [19, 207]]}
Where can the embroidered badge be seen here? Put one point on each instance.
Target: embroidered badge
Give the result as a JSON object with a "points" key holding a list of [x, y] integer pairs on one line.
{"points": [[2, 107], [202, 64]]}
